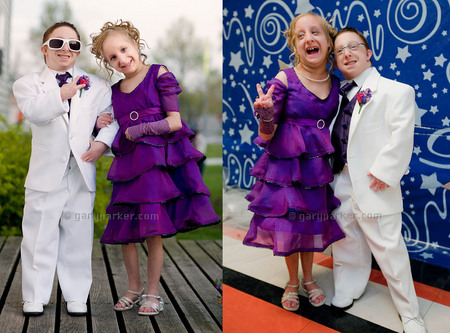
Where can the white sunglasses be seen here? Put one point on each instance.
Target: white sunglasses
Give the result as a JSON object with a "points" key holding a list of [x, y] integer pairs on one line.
{"points": [[58, 43]]}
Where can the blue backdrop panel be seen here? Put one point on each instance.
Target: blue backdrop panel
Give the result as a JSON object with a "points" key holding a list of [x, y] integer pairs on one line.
{"points": [[410, 43]]}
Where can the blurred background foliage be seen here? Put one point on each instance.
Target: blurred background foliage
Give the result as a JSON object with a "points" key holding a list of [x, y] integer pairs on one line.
{"points": [[15, 150]]}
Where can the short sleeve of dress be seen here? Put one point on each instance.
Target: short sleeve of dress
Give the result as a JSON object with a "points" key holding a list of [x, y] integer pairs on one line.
{"points": [[279, 96], [168, 88]]}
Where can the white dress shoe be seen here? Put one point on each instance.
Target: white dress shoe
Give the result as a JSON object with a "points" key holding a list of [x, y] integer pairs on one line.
{"points": [[343, 303], [33, 309], [413, 325], [76, 308]]}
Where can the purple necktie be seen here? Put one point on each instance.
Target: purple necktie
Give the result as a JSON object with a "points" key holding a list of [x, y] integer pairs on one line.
{"points": [[62, 78], [341, 128]]}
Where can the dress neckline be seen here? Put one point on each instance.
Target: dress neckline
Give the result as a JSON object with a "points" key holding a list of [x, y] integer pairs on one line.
{"points": [[309, 91], [135, 88]]}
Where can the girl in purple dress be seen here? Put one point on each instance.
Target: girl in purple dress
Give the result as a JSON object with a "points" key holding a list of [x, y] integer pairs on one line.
{"points": [[157, 187], [292, 199]]}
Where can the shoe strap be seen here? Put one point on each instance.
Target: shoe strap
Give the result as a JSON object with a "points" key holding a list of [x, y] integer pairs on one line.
{"points": [[161, 301], [292, 285], [154, 306], [290, 295], [151, 305], [155, 296], [307, 283], [125, 302], [313, 294], [137, 293]]}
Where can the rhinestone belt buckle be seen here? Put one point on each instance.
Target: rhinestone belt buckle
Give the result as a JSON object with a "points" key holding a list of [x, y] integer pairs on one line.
{"points": [[320, 123], [131, 115]]}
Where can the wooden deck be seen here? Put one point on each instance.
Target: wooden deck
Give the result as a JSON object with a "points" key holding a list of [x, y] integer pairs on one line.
{"points": [[188, 287]]}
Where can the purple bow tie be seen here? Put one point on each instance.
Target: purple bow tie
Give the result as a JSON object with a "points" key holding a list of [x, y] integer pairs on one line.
{"points": [[346, 88], [62, 78]]}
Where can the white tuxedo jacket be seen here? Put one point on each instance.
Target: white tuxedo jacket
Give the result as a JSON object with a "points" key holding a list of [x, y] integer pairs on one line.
{"points": [[54, 136], [381, 141]]}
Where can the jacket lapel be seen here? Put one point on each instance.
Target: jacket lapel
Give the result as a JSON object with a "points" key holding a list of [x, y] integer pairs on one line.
{"points": [[49, 82], [371, 83]]}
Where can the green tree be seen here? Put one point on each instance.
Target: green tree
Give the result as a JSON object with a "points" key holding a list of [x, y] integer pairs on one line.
{"points": [[52, 12], [187, 56], [180, 50]]}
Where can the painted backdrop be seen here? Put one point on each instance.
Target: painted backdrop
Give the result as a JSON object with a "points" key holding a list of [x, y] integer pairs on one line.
{"points": [[410, 44]]}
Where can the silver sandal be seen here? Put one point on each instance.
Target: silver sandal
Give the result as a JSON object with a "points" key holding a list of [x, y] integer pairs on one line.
{"points": [[127, 303], [313, 294], [158, 307], [291, 296]]}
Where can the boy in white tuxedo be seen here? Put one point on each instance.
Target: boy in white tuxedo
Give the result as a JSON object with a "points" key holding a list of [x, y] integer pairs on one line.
{"points": [[373, 138], [60, 186]]}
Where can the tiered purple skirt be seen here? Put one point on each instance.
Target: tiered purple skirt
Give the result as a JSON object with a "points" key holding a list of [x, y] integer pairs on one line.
{"points": [[157, 187], [292, 200]]}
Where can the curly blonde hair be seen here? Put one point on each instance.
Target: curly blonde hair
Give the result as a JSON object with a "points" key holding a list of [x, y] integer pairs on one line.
{"points": [[125, 27], [291, 37]]}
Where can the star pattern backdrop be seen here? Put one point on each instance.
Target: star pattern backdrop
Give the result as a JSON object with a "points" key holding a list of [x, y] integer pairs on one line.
{"points": [[410, 44]]}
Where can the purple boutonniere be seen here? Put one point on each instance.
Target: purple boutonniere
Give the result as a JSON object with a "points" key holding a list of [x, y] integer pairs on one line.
{"points": [[363, 97], [84, 79]]}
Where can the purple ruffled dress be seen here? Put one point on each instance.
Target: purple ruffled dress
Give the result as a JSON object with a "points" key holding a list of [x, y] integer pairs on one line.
{"points": [[292, 199], [157, 185]]}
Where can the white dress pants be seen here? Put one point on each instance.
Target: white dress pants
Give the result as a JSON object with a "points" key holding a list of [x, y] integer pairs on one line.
{"points": [[380, 236], [58, 234]]}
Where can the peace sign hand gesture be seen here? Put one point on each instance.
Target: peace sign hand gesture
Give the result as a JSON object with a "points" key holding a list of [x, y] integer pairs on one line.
{"points": [[264, 104], [264, 110]]}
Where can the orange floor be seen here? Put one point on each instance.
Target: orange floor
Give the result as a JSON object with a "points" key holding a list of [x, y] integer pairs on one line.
{"points": [[422, 290], [245, 313]]}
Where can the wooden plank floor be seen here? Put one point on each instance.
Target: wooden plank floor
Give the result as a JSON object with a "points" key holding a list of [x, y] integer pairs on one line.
{"points": [[188, 286]]}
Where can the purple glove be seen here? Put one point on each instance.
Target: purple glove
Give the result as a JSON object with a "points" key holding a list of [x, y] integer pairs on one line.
{"points": [[154, 128], [265, 116]]}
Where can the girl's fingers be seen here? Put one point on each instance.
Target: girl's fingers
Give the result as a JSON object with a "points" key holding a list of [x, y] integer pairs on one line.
{"points": [[261, 94], [260, 91]]}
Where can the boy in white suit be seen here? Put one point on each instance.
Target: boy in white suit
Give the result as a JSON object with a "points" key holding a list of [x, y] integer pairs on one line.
{"points": [[60, 186], [373, 138]]}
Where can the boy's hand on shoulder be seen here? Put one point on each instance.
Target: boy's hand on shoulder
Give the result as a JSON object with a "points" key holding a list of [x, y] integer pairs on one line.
{"points": [[95, 151], [69, 90]]}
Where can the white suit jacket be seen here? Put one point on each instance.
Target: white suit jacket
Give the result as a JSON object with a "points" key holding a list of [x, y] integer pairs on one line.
{"points": [[54, 136], [381, 141]]}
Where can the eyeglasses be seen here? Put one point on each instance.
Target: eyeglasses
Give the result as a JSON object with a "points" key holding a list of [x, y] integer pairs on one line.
{"points": [[58, 43], [353, 46]]}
